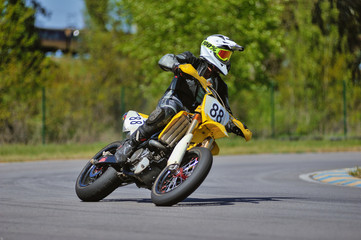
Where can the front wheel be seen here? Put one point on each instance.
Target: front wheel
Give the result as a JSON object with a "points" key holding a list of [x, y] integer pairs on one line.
{"points": [[171, 186]]}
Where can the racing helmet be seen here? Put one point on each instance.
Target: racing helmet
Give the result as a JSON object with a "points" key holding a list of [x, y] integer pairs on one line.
{"points": [[217, 49]]}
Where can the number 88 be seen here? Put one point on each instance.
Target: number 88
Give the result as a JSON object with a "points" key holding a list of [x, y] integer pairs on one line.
{"points": [[215, 114]]}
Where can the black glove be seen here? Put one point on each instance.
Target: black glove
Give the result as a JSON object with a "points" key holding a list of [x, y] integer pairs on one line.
{"points": [[231, 127], [175, 69]]}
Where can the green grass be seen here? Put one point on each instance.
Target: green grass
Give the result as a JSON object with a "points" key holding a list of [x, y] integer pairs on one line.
{"points": [[239, 146], [18, 152], [356, 172], [230, 146]]}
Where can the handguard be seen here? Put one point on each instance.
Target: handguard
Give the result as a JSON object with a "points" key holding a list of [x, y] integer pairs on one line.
{"points": [[189, 69], [246, 132]]}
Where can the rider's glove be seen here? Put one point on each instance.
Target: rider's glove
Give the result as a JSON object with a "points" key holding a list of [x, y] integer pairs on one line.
{"points": [[231, 127], [175, 69]]}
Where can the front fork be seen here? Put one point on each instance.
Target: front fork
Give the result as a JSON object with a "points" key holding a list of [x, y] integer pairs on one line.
{"points": [[208, 143], [180, 149]]}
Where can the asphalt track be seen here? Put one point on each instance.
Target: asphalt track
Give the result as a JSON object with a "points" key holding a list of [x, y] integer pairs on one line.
{"points": [[243, 197]]}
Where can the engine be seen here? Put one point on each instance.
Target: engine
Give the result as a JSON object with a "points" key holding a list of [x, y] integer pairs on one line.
{"points": [[146, 165]]}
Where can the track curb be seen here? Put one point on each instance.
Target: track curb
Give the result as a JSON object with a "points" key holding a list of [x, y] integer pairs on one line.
{"points": [[339, 177]]}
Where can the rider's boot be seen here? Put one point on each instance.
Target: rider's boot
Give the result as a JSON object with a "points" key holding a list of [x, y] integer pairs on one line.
{"points": [[128, 148], [156, 121]]}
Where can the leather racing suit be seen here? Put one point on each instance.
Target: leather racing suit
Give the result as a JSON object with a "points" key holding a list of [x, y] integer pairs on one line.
{"points": [[184, 93]]}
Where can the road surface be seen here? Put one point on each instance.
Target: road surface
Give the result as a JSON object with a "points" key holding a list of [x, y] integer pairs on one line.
{"points": [[244, 197]]}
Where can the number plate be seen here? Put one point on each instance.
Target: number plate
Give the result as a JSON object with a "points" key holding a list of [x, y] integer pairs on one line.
{"points": [[132, 121], [215, 111]]}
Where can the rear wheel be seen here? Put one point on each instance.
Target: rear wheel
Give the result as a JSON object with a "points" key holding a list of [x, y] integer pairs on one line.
{"points": [[96, 182], [173, 186]]}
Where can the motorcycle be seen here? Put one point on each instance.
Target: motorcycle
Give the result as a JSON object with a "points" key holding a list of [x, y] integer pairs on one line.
{"points": [[172, 163]]}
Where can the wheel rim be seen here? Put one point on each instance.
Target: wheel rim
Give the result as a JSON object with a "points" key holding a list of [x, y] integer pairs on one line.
{"points": [[171, 180], [91, 175]]}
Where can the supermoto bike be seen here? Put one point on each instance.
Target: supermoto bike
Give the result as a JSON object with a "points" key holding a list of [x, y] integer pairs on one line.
{"points": [[172, 163]]}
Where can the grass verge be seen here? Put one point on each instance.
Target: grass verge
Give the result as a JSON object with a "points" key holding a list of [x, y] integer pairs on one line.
{"points": [[19, 152], [239, 146], [356, 172], [230, 146]]}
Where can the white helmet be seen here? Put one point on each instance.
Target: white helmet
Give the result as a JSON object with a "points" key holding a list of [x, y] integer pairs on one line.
{"points": [[217, 50]]}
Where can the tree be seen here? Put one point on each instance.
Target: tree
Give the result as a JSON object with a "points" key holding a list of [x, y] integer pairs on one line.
{"points": [[21, 64], [348, 22], [177, 26]]}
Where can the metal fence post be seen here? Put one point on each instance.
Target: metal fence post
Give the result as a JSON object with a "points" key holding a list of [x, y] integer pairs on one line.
{"points": [[344, 110], [122, 108], [43, 108], [272, 109]]}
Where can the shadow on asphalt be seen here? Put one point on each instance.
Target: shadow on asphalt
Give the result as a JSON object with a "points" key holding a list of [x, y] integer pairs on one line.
{"points": [[192, 202]]}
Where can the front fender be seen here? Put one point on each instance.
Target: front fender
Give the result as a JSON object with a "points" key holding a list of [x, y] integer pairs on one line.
{"points": [[209, 129]]}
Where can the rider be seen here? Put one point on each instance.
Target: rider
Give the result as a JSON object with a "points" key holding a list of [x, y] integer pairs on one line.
{"points": [[184, 92]]}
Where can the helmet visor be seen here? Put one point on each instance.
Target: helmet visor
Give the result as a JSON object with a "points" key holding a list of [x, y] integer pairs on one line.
{"points": [[224, 55]]}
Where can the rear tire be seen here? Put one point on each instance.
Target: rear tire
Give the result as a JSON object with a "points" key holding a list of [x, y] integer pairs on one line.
{"points": [[172, 187], [95, 183]]}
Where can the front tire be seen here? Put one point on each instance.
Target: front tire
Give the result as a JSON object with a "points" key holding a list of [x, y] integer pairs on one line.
{"points": [[95, 183], [172, 187]]}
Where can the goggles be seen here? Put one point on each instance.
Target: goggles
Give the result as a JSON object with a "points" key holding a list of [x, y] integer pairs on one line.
{"points": [[222, 54]]}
